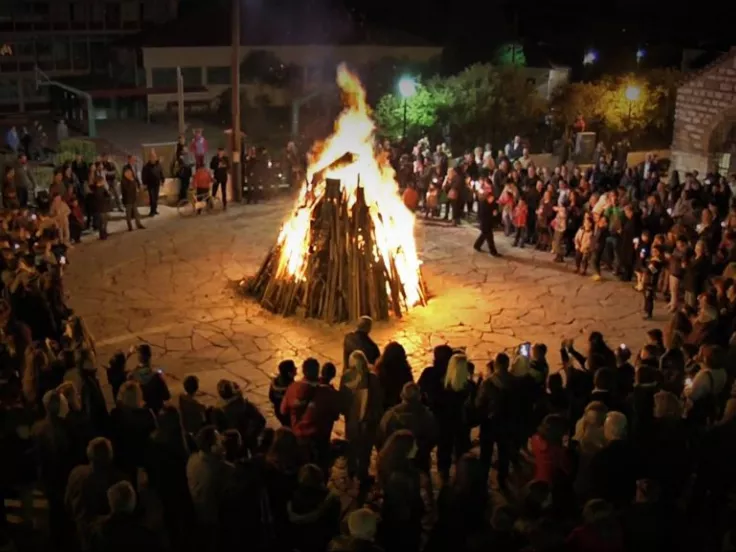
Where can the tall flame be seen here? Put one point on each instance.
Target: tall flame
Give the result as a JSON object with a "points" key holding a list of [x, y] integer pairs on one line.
{"points": [[393, 222]]}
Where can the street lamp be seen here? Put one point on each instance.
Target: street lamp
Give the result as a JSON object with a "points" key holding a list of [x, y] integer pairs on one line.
{"points": [[407, 89], [640, 54], [590, 57], [632, 93]]}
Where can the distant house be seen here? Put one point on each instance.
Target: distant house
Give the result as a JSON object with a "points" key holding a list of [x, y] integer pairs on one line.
{"points": [[310, 44], [546, 79]]}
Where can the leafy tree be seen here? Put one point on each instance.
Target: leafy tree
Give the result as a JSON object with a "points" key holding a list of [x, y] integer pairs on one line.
{"points": [[605, 103], [479, 104], [510, 53]]}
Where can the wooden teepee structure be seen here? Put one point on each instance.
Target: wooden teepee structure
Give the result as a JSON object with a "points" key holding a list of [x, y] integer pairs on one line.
{"points": [[344, 276]]}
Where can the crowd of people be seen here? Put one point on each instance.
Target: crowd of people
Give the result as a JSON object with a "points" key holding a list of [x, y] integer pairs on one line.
{"points": [[667, 236], [618, 450]]}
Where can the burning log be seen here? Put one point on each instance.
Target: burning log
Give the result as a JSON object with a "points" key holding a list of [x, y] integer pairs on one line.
{"points": [[348, 249]]}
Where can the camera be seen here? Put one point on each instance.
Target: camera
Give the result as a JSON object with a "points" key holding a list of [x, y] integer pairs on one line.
{"points": [[525, 349]]}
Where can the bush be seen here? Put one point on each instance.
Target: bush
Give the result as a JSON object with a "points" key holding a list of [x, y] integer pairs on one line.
{"points": [[71, 147]]}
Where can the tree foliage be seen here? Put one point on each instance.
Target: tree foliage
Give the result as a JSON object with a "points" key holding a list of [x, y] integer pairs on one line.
{"points": [[482, 103], [604, 103]]}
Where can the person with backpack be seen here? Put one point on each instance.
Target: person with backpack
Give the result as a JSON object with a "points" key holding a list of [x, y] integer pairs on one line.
{"points": [[496, 404]]}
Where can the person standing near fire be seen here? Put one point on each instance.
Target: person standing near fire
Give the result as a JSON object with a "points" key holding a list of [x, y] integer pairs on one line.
{"points": [[220, 167], [488, 213]]}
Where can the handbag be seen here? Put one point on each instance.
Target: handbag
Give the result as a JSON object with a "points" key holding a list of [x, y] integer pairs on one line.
{"points": [[452, 194]]}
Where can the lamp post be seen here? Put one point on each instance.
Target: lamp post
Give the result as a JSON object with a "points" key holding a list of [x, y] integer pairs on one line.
{"points": [[632, 93], [407, 89], [236, 167]]}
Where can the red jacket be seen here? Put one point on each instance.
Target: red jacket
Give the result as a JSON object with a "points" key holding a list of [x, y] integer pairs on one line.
{"points": [[550, 459], [521, 215], [312, 408]]}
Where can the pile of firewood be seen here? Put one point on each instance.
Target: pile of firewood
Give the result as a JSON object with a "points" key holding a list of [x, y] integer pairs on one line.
{"points": [[345, 277]]}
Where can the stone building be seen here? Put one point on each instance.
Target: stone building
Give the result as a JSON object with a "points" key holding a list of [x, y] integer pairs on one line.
{"points": [[705, 119]]}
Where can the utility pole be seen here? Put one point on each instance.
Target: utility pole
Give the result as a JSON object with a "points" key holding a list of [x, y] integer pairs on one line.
{"points": [[180, 101], [236, 173]]}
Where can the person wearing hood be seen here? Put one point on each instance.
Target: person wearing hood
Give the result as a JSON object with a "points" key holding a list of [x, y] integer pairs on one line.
{"points": [[360, 340], [153, 385], [362, 406], [412, 415], [234, 411], [314, 511], [495, 405], [362, 528]]}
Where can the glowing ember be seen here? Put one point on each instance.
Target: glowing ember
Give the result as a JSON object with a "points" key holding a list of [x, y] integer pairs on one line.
{"points": [[393, 222]]}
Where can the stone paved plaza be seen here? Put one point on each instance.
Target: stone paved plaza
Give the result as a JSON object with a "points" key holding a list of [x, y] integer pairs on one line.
{"points": [[171, 285]]}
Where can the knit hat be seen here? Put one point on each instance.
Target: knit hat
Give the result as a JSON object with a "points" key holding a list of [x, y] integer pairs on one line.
{"points": [[362, 524]]}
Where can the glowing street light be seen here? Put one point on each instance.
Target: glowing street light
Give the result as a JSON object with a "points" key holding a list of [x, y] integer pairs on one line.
{"points": [[590, 57], [407, 89], [633, 93], [640, 54]]}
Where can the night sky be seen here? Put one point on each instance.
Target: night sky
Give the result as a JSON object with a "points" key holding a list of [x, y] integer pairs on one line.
{"points": [[471, 30]]}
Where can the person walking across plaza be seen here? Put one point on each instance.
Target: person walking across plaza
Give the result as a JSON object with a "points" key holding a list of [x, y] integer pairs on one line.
{"points": [[220, 166], [129, 190], [152, 176], [487, 214]]}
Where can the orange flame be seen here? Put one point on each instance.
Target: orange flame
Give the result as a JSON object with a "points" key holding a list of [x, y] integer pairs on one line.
{"points": [[393, 222]]}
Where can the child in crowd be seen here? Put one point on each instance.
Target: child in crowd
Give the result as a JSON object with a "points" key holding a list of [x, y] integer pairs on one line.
{"points": [[583, 246], [432, 203], [520, 219], [600, 235], [277, 390], [193, 412], [642, 246], [327, 374], [560, 226], [651, 279]]}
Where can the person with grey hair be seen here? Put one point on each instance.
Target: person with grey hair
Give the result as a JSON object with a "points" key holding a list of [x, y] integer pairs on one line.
{"points": [[360, 340], [123, 530], [615, 468], [86, 491]]}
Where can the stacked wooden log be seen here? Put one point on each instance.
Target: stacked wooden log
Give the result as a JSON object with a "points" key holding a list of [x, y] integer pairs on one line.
{"points": [[345, 277]]}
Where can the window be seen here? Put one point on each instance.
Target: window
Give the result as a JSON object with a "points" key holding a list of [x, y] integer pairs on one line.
{"points": [[112, 16], [62, 55], [8, 89], [80, 55], [163, 77], [131, 11], [8, 67], [98, 56], [192, 76], [44, 48], [41, 8], [24, 49], [218, 75]]}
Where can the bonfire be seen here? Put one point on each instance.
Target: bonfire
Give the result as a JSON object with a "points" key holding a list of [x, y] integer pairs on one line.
{"points": [[348, 248]]}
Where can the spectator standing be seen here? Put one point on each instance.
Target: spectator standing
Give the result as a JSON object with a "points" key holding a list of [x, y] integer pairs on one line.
{"points": [[152, 176]]}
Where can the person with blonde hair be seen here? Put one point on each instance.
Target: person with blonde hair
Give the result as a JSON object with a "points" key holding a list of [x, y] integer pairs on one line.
{"points": [[454, 413], [362, 406], [589, 439]]}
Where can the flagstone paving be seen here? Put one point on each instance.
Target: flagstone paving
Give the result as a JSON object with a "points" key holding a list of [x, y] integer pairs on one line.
{"points": [[172, 286]]}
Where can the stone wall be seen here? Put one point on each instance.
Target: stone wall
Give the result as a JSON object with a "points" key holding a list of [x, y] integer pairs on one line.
{"points": [[702, 102]]}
